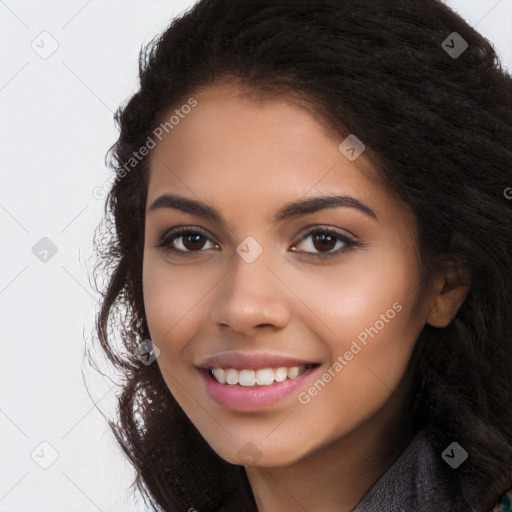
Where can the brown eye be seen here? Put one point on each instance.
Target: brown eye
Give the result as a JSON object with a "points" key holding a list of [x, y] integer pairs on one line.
{"points": [[184, 241], [323, 241], [193, 242]]}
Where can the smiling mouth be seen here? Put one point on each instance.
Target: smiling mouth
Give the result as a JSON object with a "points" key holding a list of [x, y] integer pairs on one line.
{"points": [[260, 377]]}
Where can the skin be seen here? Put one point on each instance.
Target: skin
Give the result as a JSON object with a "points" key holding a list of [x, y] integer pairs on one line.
{"points": [[248, 158]]}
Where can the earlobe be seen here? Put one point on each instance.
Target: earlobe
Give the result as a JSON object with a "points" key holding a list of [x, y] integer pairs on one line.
{"points": [[450, 292]]}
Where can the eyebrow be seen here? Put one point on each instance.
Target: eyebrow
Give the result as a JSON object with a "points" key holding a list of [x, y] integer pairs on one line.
{"points": [[289, 210]]}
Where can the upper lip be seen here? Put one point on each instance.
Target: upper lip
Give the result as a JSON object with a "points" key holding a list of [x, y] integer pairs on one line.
{"points": [[252, 360]]}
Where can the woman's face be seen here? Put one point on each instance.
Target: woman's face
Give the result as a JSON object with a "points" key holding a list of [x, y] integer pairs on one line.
{"points": [[246, 283]]}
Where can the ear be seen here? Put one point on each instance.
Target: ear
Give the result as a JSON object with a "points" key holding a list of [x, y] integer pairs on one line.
{"points": [[450, 290]]}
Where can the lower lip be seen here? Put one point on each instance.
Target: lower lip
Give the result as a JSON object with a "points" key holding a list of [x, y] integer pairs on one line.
{"points": [[247, 398]]}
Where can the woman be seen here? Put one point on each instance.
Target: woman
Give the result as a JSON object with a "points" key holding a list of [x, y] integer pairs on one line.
{"points": [[308, 246]]}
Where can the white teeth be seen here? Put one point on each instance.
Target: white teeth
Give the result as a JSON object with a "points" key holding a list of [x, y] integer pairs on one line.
{"points": [[265, 377], [231, 376], [262, 377], [293, 372], [280, 374], [220, 375], [247, 378]]}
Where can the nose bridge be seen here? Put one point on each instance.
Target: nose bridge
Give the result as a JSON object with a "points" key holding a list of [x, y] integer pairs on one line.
{"points": [[250, 294]]}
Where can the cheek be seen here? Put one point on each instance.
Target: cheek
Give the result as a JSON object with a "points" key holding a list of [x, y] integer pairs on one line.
{"points": [[362, 375], [368, 308], [354, 295], [171, 298]]}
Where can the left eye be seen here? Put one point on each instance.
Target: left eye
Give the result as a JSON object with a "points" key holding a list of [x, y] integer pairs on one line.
{"points": [[325, 240]]}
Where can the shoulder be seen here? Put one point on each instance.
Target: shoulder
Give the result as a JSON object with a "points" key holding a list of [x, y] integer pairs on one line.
{"points": [[504, 503]]}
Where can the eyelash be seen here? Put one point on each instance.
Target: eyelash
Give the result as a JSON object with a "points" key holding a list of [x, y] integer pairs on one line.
{"points": [[174, 234]]}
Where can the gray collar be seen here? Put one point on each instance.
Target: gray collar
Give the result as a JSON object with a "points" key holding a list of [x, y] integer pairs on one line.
{"points": [[409, 483]]}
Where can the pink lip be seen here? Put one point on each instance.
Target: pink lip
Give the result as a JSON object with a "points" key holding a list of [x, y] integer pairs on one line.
{"points": [[253, 361], [253, 398]]}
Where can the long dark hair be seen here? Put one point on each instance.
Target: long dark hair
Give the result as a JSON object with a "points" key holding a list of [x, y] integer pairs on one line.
{"points": [[438, 127]]}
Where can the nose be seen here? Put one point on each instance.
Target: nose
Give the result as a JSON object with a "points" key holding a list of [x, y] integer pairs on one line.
{"points": [[251, 296]]}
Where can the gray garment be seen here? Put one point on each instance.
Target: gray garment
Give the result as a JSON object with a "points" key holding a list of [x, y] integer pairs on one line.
{"points": [[408, 485]]}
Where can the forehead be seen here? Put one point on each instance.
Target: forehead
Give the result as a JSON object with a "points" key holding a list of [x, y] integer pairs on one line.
{"points": [[233, 145]]}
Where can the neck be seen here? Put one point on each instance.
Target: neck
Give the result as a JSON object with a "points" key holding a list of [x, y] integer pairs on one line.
{"points": [[336, 476]]}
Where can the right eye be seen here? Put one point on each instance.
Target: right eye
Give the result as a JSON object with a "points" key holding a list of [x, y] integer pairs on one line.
{"points": [[188, 240]]}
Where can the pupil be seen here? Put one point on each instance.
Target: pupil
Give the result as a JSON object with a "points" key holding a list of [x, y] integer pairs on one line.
{"points": [[324, 244], [193, 239]]}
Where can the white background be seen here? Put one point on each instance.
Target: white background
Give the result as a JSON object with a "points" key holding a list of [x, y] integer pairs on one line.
{"points": [[56, 126]]}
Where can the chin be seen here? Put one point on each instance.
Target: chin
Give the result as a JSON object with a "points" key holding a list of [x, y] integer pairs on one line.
{"points": [[251, 454]]}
